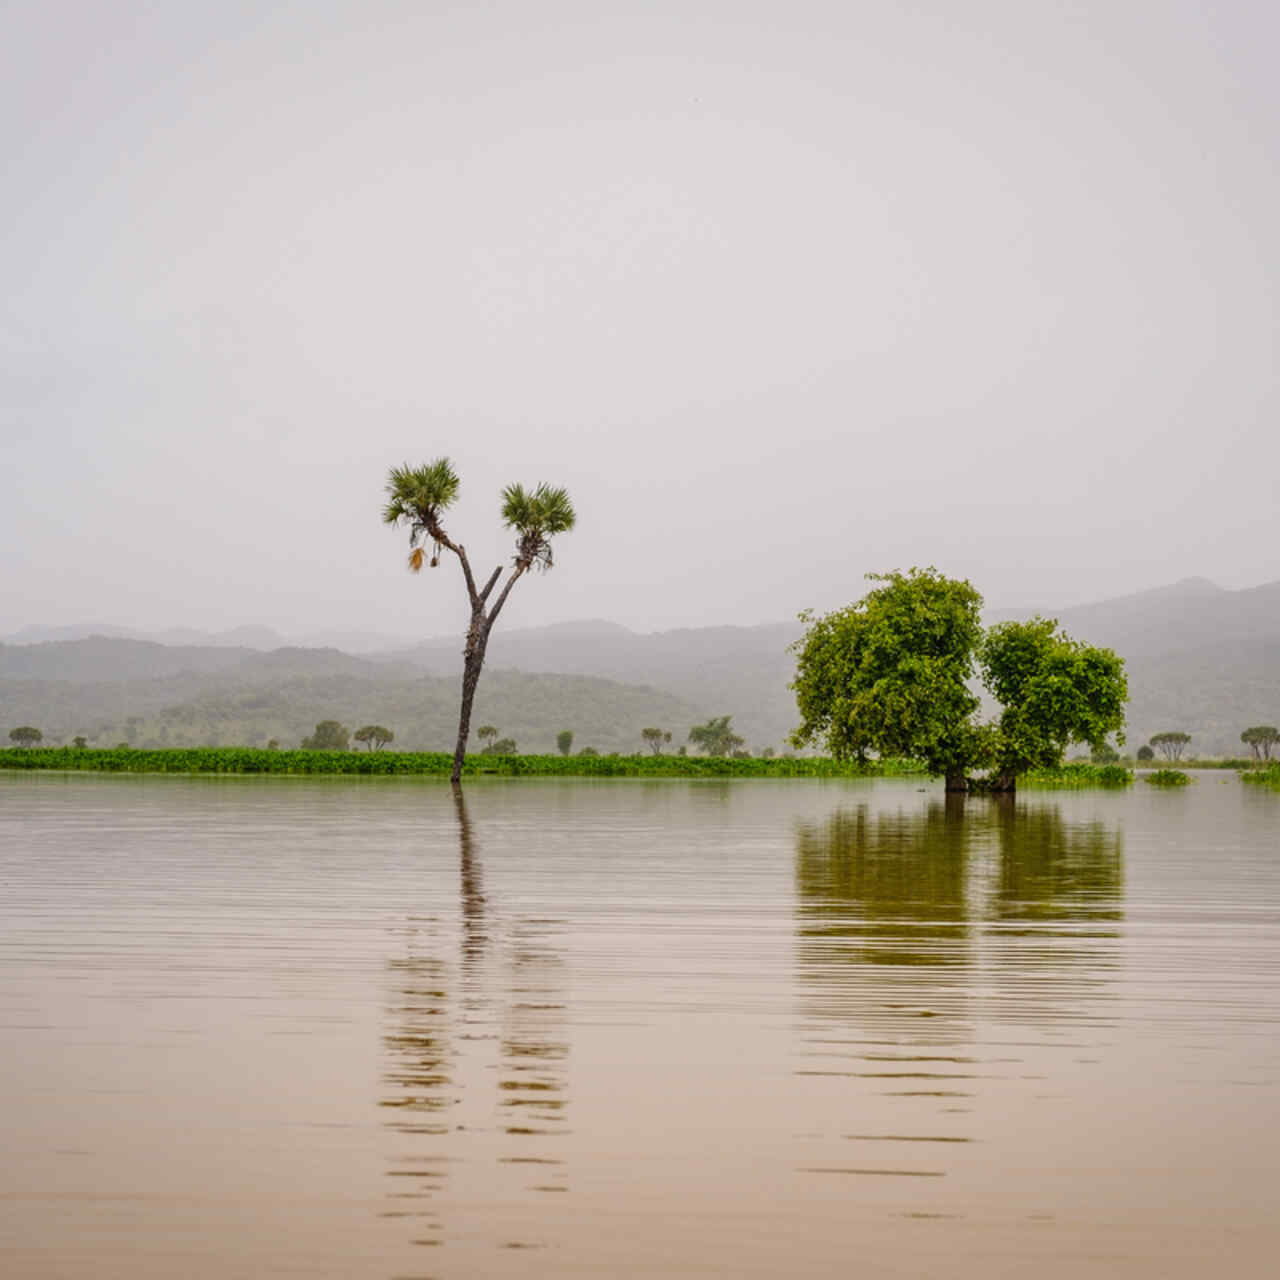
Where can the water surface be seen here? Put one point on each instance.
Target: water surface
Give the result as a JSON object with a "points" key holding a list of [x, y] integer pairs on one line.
{"points": [[354, 1028]]}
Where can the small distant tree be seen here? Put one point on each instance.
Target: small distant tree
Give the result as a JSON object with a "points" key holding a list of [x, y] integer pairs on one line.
{"points": [[742, 755], [1171, 744], [716, 737], [374, 736], [1104, 753], [79, 743], [488, 735], [503, 747], [273, 744], [588, 751], [26, 735], [564, 741], [766, 753], [654, 738], [1260, 739], [329, 736], [1145, 753]]}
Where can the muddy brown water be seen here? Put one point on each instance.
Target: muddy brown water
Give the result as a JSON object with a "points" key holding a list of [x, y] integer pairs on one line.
{"points": [[348, 1028]]}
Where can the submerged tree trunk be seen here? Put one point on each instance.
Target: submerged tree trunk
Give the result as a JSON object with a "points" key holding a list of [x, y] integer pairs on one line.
{"points": [[1004, 782], [956, 781]]}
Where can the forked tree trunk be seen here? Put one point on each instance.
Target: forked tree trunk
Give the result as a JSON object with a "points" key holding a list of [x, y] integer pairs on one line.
{"points": [[1004, 783]]}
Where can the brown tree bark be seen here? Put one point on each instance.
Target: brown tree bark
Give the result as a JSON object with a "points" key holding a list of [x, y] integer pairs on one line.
{"points": [[956, 781]]}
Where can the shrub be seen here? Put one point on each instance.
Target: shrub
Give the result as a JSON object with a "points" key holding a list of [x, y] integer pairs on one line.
{"points": [[1168, 778]]}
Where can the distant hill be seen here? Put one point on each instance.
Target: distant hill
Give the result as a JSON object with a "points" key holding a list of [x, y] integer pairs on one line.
{"points": [[739, 671], [1200, 658], [191, 696]]}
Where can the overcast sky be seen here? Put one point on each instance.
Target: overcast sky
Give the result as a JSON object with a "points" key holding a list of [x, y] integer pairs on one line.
{"points": [[783, 292]]}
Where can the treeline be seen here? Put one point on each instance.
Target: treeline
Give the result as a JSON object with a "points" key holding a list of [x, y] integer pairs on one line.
{"points": [[250, 760]]}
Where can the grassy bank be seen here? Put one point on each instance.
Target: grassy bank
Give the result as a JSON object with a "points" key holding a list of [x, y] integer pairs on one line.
{"points": [[1077, 775], [1268, 777], [250, 760]]}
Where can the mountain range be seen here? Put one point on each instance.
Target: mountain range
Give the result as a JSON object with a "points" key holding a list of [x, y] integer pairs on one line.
{"points": [[1201, 659]]}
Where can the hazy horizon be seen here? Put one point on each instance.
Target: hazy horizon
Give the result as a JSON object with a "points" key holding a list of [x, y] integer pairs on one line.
{"points": [[783, 294]]}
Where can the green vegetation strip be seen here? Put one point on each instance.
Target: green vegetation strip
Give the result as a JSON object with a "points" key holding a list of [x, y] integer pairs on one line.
{"points": [[252, 760], [1077, 775], [1268, 777]]}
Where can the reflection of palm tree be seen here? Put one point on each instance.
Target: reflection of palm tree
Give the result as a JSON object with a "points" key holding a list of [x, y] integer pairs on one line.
{"points": [[473, 928]]}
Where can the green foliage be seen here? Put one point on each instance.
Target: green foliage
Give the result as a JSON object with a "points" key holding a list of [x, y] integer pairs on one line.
{"points": [[1146, 753], [1053, 690], [1260, 739], [1078, 775], [654, 739], [488, 735], [889, 674], [1104, 753], [536, 517], [502, 747], [374, 736], [1167, 778], [1170, 745], [329, 736], [588, 763], [418, 496], [26, 735], [716, 737], [79, 743], [564, 741], [1267, 777]]}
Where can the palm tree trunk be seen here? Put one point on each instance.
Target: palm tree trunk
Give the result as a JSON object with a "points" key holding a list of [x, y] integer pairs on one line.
{"points": [[473, 660]]}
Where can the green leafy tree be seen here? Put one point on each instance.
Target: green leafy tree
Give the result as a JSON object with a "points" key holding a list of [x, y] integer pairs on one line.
{"points": [[1260, 739], [1104, 753], [588, 751], [374, 736], [273, 744], [564, 741], [1171, 744], [1053, 690], [488, 735], [716, 737], [26, 735], [79, 743], [1145, 753], [418, 497], [891, 674], [329, 736], [503, 747], [654, 739]]}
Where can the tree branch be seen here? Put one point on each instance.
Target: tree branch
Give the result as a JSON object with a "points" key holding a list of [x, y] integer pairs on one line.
{"points": [[506, 591], [488, 586]]}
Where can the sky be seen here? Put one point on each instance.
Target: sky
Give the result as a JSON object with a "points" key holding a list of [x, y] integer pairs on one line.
{"points": [[784, 293]]}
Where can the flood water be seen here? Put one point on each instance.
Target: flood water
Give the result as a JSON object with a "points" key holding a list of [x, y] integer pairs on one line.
{"points": [[351, 1028]]}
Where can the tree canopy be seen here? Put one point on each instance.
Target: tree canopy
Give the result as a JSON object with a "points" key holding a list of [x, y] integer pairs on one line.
{"points": [[26, 735], [1170, 744], [374, 736], [1260, 738], [893, 674], [716, 737], [564, 741], [655, 738], [330, 735]]}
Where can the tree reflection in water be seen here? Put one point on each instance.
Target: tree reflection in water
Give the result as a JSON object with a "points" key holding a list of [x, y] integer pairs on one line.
{"points": [[447, 1025], [917, 924]]}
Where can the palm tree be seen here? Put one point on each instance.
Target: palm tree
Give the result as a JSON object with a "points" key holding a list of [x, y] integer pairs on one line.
{"points": [[418, 497]]}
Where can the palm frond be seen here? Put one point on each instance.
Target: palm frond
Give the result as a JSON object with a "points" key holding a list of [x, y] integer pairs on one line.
{"points": [[536, 517], [420, 494]]}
